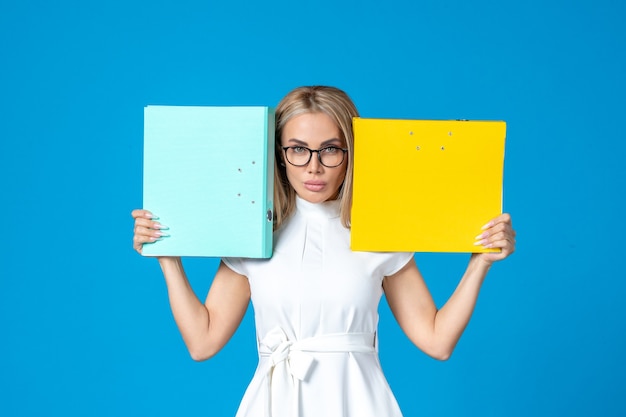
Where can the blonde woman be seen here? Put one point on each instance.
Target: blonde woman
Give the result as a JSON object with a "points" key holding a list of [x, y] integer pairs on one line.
{"points": [[315, 300]]}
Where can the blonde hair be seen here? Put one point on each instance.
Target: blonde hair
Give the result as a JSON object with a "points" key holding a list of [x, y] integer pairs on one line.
{"points": [[316, 99]]}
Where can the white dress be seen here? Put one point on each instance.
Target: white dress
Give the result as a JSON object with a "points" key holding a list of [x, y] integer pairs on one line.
{"points": [[316, 313]]}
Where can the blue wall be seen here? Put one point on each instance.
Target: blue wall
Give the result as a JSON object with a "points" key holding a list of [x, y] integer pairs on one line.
{"points": [[85, 328]]}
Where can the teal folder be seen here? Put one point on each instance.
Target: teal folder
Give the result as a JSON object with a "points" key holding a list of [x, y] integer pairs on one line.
{"points": [[208, 176]]}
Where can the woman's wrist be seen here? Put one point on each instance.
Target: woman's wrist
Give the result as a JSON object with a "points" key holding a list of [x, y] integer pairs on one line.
{"points": [[169, 263], [479, 262]]}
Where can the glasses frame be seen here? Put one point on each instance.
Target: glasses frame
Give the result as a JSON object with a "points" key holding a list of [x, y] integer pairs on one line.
{"points": [[319, 155]]}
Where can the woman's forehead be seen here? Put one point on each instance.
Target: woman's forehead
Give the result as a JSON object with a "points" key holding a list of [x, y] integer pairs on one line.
{"points": [[310, 128]]}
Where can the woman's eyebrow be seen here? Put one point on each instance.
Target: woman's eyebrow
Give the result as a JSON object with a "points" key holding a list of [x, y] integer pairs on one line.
{"points": [[297, 142], [333, 141]]}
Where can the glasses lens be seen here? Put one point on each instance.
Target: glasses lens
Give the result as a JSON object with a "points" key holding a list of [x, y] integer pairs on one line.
{"points": [[298, 155], [331, 156]]}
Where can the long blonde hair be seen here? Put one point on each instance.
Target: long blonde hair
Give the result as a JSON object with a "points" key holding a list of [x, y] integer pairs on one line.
{"points": [[315, 99]]}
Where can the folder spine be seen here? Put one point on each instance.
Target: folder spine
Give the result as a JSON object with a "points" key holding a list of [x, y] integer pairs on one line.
{"points": [[268, 184]]}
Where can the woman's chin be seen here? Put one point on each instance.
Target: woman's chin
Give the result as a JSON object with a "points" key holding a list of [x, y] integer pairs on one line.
{"points": [[315, 197]]}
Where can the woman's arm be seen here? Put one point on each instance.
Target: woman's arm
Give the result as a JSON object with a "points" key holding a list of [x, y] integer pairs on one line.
{"points": [[205, 327], [434, 331]]}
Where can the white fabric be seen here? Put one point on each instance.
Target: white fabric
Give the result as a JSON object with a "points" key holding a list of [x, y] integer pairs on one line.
{"points": [[291, 361], [315, 304]]}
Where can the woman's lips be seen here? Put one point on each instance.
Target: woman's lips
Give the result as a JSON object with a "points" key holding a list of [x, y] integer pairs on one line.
{"points": [[314, 185]]}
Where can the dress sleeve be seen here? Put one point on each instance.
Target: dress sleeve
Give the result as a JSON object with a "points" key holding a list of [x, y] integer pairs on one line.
{"points": [[395, 262], [236, 264]]}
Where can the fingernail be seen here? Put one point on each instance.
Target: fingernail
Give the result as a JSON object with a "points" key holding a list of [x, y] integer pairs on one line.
{"points": [[152, 216], [161, 234], [482, 236], [487, 226], [160, 226], [155, 239]]}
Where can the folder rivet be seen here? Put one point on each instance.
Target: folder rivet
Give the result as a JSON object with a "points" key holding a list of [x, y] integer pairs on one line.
{"points": [[270, 215], [239, 169], [417, 148], [449, 133], [411, 132], [253, 162], [443, 149], [252, 201]]}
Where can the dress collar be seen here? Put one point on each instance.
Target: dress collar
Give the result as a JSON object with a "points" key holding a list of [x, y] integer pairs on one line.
{"points": [[328, 209]]}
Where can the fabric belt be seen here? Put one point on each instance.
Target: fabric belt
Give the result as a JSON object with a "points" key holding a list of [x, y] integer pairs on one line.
{"points": [[290, 361]]}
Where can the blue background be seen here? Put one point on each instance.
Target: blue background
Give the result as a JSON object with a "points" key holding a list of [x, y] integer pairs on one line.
{"points": [[85, 327]]}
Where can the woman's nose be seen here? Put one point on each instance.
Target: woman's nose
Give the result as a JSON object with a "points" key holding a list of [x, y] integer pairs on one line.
{"points": [[314, 163]]}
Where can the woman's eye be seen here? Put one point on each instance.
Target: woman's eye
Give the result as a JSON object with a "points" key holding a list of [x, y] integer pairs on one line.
{"points": [[330, 150], [298, 149]]}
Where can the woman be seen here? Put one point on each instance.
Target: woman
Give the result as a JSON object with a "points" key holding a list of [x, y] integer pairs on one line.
{"points": [[315, 301]]}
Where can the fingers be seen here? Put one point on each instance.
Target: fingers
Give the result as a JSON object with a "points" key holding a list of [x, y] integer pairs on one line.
{"points": [[498, 234], [147, 229], [504, 218], [139, 213]]}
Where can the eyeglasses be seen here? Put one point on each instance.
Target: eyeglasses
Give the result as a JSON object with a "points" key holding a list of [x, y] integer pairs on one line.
{"points": [[330, 156]]}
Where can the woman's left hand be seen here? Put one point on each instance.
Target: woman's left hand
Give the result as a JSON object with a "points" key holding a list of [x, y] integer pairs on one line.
{"points": [[498, 234]]}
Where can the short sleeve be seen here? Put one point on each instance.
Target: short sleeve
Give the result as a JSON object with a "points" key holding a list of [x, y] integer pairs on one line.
{"points": [[396, 262], [236, 264]]}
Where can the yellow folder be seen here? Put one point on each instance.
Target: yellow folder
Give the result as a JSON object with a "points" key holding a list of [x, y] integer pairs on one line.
{"points": [[425, 185]]}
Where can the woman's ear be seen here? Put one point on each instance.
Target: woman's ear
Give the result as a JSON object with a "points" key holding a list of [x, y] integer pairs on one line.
{"points": [[280, 158], [280, 155]]}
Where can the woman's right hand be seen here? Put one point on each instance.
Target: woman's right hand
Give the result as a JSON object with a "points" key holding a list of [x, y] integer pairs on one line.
{"points": [[147, 229]]}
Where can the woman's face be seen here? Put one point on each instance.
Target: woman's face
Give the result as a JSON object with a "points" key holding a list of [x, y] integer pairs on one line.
{"points": [[314, 182]]}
